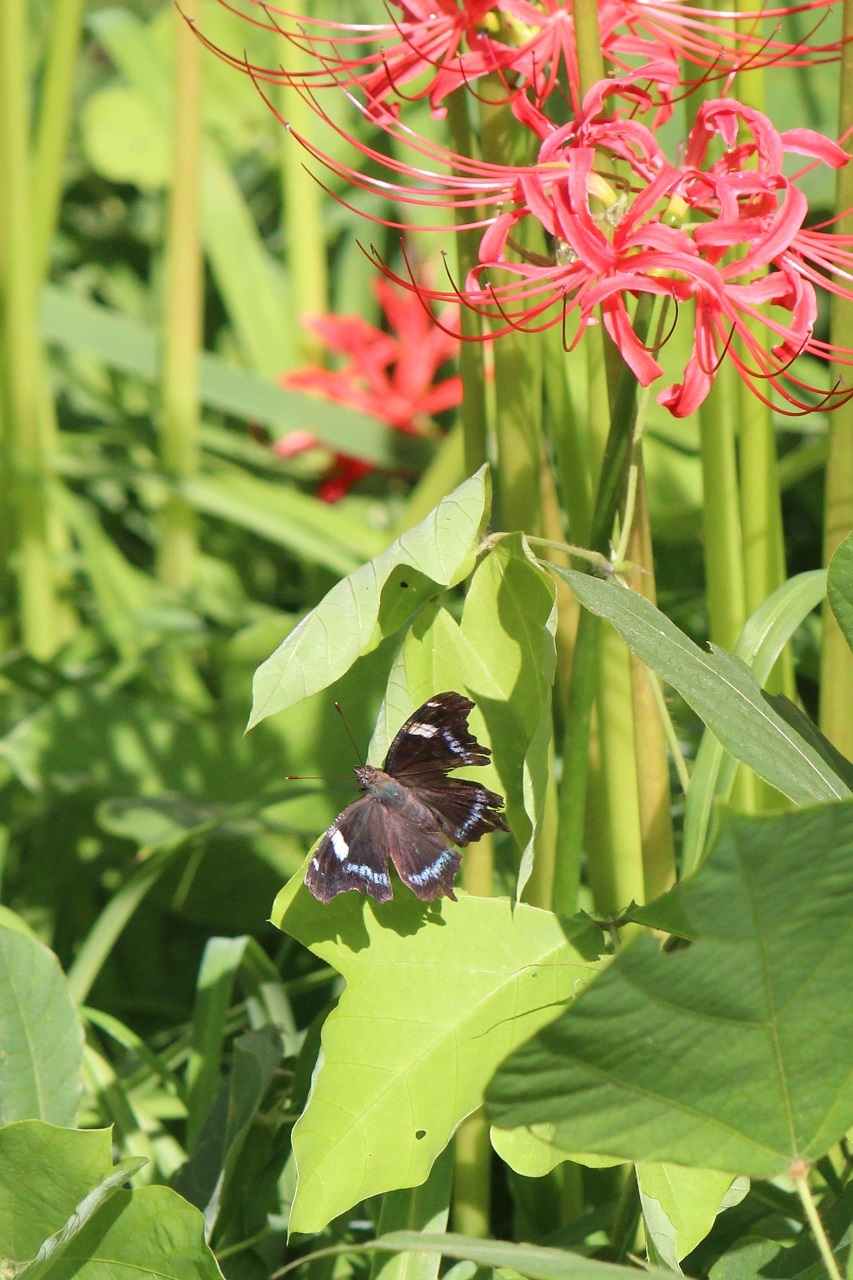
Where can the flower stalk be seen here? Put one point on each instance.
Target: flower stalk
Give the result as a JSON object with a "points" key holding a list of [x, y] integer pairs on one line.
{"points": [[26, 471], [836, 702], [182, 325]]}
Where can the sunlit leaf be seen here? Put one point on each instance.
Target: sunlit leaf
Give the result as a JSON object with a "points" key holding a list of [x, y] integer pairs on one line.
{"points": [[45, 1172], [375, 601], [436, 995], [732, 1054], [840, 587], [721, 689], [40, 1033]]}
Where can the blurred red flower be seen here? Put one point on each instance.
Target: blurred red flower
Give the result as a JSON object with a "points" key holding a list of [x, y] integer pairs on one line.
{"points": [[391, 375]]}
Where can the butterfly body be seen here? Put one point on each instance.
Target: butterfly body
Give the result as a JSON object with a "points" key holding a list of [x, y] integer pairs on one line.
{"points": [[410, 810]]}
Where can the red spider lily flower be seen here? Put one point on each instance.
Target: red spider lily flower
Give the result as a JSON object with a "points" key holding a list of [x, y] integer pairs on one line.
{"points": [[392, 376], [528, 44], [725, 234], [721, 236]]}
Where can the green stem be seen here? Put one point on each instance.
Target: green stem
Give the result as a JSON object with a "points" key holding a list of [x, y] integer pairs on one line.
{"points": [[473, 408], [804, 1191], [517, 366], [723, 542], [472, 1177], [650, 743], [588, 40], [54, 122], [836, 685], [25, 481], [582, 691], [182, 337]]}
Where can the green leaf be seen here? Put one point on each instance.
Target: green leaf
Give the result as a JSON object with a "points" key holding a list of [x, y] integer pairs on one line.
{"points": [[679, 1207], [531, 1151], [124, 138], [840, 587], [536, 1261], [150, 1231], [435, 996], [40, 1033], [375, 601], [217, 973], [763, 638], [721, 689], [503, 655], [733, 1054], [284, 516], [128, 346], [207, 1179], [60, 1243], [45, 1172]]}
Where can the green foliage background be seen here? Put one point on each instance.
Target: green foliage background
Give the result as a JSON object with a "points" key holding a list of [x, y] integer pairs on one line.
{"points": [[190, 1088]]}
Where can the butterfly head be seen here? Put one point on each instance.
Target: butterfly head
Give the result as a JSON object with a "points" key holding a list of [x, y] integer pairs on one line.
{"points": [[379, 784]]}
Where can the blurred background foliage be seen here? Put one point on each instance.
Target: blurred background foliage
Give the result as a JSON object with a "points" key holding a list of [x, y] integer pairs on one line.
{"points": [[140, 828]]}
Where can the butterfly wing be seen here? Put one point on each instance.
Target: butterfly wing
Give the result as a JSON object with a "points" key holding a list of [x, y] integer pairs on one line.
{"points": [[353, 854], [423, 859], [463, 810], [435, 739]]}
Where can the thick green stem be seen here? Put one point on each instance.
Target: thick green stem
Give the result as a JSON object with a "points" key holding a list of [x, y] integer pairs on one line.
{"points": [[804, 1191], [836, 685], [25, 481], [650, 746], [472, 1180], [582, 692], [54, 122], [723, 542], [182, 332], [473, 408], [518, 369]]}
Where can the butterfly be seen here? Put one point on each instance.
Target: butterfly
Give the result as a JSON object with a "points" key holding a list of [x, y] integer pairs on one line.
{"points": [[411, 811]]}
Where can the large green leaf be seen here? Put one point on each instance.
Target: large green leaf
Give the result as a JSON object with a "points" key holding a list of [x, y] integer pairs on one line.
{"points": [[40, 1033], [680, 1206], [840, 587], [375, 601], [721, 689], [44, 1174], [733, 1054], [151, 1231], [436, 995]]}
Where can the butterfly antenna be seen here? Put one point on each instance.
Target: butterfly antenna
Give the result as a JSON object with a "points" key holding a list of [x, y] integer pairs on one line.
{"points": [[349, 735]]}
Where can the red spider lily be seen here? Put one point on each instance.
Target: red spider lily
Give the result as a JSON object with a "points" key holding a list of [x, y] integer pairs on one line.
{"points": [[725, 234], [391, 376], [528, 44]]}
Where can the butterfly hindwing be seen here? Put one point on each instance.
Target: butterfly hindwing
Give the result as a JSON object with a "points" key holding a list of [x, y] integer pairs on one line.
{"points": [[463, 810], [424, 861], [353, 854], [436, 738]]}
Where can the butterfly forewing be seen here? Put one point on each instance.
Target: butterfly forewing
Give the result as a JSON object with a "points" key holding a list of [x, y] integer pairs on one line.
{"points": [[436, 738]]}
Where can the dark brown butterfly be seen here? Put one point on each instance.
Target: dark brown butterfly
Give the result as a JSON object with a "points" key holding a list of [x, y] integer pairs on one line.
{"points": [[410, 811]]}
